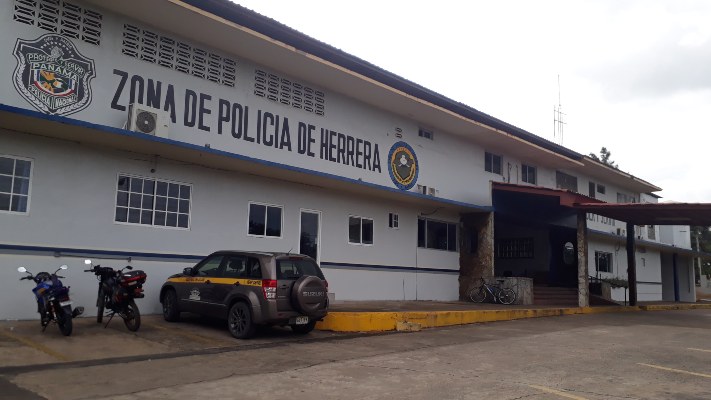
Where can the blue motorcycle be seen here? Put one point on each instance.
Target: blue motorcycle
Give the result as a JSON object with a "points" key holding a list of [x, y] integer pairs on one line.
{"points": [[53, 303]]}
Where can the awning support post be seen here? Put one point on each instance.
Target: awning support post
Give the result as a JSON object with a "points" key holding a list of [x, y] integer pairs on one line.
{"points": [[631, 264], [583, 283]]}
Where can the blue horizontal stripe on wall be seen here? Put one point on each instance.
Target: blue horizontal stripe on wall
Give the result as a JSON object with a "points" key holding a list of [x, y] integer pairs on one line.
{"points": [[143, 136], [75, 252], [66, 251], [335, 265]]}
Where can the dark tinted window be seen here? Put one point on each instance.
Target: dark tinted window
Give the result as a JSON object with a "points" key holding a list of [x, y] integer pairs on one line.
{"points": [[296, 268], [242, 267], [209, 267]]}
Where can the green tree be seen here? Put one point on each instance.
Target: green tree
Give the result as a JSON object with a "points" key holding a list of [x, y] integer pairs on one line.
{"points": [[604, 157]]}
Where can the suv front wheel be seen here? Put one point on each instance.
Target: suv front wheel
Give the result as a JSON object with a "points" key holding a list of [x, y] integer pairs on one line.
{"points": [[239, 321]]}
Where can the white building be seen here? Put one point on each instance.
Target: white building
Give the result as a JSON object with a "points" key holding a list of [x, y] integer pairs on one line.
{"points": [[261, 138]]}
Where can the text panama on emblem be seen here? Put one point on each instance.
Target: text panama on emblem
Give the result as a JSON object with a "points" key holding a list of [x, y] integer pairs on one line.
{"points": [[52, 75], [403, 165]]}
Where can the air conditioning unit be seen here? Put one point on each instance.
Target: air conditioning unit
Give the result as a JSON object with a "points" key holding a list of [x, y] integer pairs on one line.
{"points": [[148, 120], [432, 191]]}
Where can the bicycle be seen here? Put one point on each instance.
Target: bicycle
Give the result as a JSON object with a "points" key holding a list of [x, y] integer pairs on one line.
{"points": [[498, 294]]}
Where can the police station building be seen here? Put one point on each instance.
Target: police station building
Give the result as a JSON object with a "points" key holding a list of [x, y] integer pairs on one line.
{"points": [[153, 133]]}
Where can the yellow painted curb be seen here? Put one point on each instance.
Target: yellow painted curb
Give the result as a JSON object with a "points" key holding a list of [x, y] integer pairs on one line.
{"points": [[388, 321], [666, 307]]}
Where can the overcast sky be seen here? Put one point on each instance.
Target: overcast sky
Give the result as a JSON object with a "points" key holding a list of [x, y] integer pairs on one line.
{"points": [[635, 76]]}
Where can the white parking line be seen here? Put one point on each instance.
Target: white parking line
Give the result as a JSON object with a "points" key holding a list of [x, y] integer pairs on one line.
{"points": [[704, 350], [681, 371], [557, 392]]}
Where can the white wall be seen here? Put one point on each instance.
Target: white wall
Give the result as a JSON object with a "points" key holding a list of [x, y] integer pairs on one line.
{"points": [[73, 197]]}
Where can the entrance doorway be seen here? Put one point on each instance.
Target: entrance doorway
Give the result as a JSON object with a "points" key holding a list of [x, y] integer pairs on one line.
{"points": [[310, 234], [564, 257]]}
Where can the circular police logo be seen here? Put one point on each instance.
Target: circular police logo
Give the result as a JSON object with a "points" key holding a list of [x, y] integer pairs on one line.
{"points": [[403, 166], [52, 75]]}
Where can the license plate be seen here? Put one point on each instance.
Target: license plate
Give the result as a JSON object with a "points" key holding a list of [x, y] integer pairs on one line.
{"points": [[65, 303], [302, 320]]}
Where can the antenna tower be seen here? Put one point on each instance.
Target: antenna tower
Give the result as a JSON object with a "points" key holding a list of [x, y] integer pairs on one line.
{"points": [[558, 115]]}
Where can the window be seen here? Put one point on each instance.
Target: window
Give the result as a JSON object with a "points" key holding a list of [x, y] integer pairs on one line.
{"points": [[148, 201], [492, 163], [625, 198], [528, 174], [436, 235], [242, 267], [591, 189], [565, 181], [294, 268], [601, 188], [651, 232], [360, 230], [264, 220], [394, 221], [14, 184], [514, 248], [603, 261], [425, 133], [209, 267]]}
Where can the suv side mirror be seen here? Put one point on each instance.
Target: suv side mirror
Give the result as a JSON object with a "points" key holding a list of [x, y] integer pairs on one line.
{"points": [[188, 271]]}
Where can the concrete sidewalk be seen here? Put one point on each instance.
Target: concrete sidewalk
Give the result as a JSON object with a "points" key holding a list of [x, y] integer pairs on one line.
{"points": [[379, 316]]}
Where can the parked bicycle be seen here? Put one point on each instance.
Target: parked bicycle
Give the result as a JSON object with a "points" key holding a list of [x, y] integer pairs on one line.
{"points": [[494, 293]]}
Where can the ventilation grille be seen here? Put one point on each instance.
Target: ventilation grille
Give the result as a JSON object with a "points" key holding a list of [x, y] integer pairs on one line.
{"points": [[60, 17], [180, 56], [284, 91]]}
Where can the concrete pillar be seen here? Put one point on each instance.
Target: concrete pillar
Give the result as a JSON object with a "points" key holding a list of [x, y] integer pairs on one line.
{"points": [[583, 283], [476, 250], [631, 264]]}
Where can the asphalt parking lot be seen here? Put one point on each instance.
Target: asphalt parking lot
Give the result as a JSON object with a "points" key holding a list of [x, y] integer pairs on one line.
{"points": [[642, 355]]}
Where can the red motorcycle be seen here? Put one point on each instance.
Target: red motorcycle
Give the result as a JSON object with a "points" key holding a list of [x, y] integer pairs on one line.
{"points": [[117, 291]]}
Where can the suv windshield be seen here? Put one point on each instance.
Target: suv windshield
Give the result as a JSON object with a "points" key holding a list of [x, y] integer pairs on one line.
{"points": [[296, 268]]}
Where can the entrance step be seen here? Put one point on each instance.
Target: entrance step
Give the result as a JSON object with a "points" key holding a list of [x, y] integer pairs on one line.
{"points": [[551, 295]]}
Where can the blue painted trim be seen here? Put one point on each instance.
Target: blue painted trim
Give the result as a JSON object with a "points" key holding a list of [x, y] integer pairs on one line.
{"points": [[151, 138], [335, 265], [112, 253], [164, 256]]}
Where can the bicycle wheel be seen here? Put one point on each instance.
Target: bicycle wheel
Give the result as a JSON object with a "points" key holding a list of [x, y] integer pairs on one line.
{"points": [[478, 294], [506, 296]]}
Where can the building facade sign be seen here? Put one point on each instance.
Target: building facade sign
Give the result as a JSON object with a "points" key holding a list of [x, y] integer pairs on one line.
{"points": [[403, 165], [52, 75]]}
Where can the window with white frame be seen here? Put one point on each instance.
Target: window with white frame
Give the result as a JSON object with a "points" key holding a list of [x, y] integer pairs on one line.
{"points": [[492, 163], [265, 220], [603, 261], [426, 133], [565, 181], [437, 235], [155, 202], [528, 174], [360, 230], [625, 198], [394, 221], [15, 176]]}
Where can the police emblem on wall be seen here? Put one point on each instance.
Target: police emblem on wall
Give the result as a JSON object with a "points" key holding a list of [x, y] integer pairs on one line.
{"points": [[52, 75], [403, 166]]}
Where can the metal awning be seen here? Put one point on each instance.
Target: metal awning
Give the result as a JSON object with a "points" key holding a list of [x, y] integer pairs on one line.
{"points": [[696, 214]]}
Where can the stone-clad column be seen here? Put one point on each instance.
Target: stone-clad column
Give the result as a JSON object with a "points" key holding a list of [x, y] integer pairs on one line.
{"points": [[476, 250]]}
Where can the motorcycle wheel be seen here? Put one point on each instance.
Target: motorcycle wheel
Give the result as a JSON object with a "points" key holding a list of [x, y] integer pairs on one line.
{"points": [[131, 316], [100, 303], [64, 320]]}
